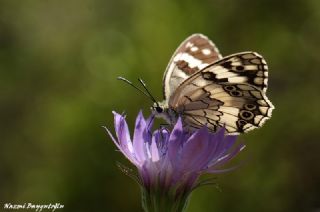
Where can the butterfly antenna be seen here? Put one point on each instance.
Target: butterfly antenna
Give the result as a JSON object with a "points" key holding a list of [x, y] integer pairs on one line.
{"points": [[145, 87], [131, 84]]}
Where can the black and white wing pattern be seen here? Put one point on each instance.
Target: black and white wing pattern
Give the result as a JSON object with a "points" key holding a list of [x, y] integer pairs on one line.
{"points": [[195, 53], [244, 67], [229, 92]]}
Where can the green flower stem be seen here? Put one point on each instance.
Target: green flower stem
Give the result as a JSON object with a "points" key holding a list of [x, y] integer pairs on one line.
{"points": [[160, 201]]}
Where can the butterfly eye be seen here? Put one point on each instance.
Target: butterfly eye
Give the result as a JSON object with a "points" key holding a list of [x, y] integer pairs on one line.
{"points": [[159, 109]]}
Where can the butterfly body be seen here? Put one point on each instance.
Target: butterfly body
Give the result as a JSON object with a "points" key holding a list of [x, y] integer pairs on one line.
{"points": [[204, 88]]}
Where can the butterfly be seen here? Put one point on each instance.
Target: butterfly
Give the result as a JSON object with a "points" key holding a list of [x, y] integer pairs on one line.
{"points": [[206, 89]]}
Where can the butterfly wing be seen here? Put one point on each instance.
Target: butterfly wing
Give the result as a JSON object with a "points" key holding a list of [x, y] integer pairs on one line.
{"points": [[244, 67], [219, 96], [195, 53]]}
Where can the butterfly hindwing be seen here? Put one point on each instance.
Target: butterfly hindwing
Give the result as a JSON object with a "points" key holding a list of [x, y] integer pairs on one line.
{"points": [[195, 53], [204, 100]]}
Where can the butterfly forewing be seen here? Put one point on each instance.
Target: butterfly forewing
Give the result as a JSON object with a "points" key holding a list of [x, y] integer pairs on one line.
{"points": [[195, 53]]}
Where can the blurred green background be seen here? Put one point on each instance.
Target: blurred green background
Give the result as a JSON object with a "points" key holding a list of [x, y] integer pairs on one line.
{"points": [[58, 66]]}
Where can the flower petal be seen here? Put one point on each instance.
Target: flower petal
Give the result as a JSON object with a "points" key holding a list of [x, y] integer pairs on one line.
{"points": [[154, 152], [227, 143], [138, 138], [127, 154], [161, 137], [218, 171], [213, 168], [226, 158], [123, 135], [175, 143], [195, 151], [149, 124], [219, 138], [223, 143]]}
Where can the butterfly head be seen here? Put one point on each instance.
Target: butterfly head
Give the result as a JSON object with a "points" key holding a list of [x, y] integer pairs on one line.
{"points": [[161, 110], [158, 108]]}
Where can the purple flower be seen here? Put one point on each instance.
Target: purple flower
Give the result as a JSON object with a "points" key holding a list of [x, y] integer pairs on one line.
{"points": [[170, 163]]}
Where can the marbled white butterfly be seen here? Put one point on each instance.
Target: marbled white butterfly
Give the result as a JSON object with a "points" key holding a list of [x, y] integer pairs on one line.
{"points": [[204, 88]]}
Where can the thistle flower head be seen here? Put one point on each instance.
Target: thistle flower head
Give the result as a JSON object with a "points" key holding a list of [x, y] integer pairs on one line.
{"points": [[170, 163]]}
